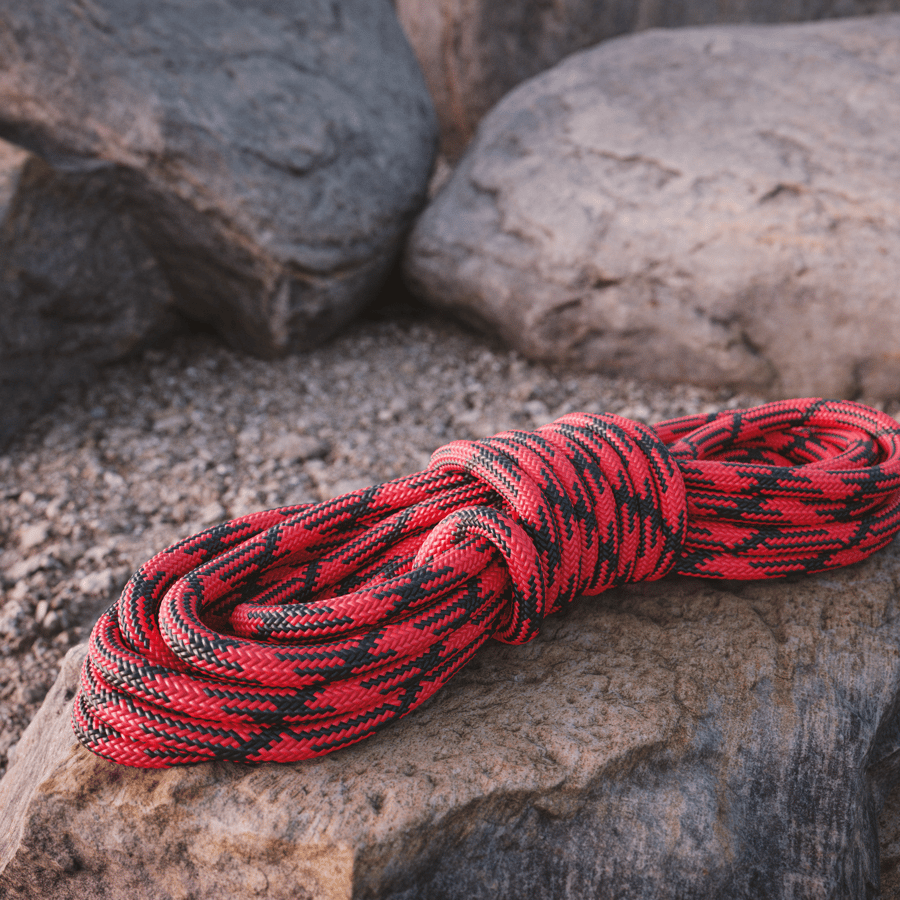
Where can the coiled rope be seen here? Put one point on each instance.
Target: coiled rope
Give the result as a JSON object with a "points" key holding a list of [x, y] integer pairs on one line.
{"points": [[287, 634]]}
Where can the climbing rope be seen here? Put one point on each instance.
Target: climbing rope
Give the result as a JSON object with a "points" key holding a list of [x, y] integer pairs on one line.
{"points": [[287, 634]]}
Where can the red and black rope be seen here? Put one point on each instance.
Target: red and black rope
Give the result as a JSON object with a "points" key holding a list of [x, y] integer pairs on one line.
{"points": [[287, 634]]}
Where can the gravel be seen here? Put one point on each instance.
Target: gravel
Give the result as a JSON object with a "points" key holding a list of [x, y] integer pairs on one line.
{"points": [[172, 442]]}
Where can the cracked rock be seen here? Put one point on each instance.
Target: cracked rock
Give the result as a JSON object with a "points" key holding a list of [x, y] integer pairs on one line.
{"points": [[273, 154], [713, 205]]}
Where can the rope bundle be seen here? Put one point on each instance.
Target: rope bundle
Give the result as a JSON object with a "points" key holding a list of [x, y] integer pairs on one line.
{"points": [[287, 634]]}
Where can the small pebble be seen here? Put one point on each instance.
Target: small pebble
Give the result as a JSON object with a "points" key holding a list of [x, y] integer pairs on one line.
{"points": [[32, 536]]}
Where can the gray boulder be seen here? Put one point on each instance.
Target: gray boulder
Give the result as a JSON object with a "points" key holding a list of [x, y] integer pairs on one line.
{"points": [[716, 205], [273, 154], [474, 51], [78, 286], [677, 739]]}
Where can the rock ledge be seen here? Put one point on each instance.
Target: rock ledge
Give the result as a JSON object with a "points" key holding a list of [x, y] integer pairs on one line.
{"points": [[675, 739]]}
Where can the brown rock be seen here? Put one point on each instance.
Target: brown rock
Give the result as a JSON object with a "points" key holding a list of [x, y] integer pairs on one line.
{"points": [[713, 205], [473, 52], [676, 739]]}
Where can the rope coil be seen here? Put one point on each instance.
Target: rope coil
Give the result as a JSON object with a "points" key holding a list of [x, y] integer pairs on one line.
{"points": [[286, 634]]}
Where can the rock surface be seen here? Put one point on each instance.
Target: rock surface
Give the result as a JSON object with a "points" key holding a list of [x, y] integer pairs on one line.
{"points": [[716, 205], [475, 51], [273, 154], [78, 287], [675, 739], [889, 831]]}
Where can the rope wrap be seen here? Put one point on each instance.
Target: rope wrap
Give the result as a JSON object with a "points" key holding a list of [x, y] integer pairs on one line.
{"points": [[287, 634]]}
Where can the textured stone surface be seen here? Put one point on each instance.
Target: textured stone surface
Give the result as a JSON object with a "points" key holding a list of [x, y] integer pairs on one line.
{"points": [[78, 287], [889, 832], [676, 739], [475, 51], [273, 154], [716, 205]]}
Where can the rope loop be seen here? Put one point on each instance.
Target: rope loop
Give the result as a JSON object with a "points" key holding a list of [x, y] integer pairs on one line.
{"points": [[525, 609], [290, 633], [552, 483]]}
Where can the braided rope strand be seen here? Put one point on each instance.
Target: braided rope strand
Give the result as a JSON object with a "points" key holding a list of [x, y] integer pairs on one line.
{"points": [[287, 634]]}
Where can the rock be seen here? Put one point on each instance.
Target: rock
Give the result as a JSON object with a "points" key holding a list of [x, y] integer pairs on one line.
{"points": [[14, 620], [473, 52], [674, 739], [274, 154], [40, 610], [28, 565], [78, 286], [715, 205], [98, 583], [33, 536], [889, 828]]}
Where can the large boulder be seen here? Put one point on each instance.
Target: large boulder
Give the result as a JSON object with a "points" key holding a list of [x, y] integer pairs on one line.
{"points": [[78, 286], [716, 205], [272, 153], [674, 739], [474, 51]]}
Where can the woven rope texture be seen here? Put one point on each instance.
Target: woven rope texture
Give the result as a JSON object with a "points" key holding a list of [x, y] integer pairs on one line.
{"points": [[287, 634]]}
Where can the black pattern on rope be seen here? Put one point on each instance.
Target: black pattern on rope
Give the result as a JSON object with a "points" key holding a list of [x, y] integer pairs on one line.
{"points": [[289, 633]]}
